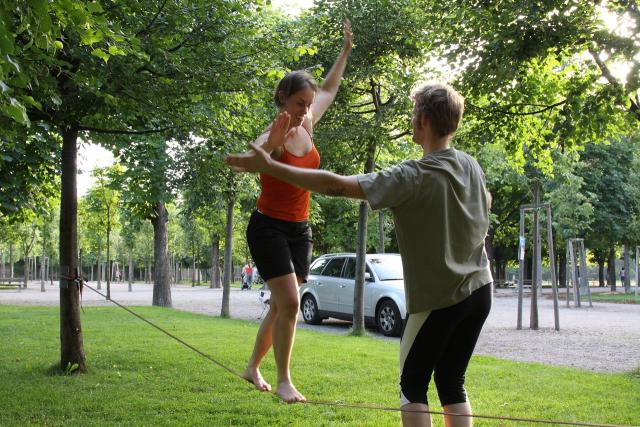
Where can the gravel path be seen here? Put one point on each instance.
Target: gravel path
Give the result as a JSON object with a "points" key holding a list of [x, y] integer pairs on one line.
{"points": [[602, 338]]}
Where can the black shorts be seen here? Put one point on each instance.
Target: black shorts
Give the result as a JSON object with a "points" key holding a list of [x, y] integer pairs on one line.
{"points": [[440, 343], [279, 247]]}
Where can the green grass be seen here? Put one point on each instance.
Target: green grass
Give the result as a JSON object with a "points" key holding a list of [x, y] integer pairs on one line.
{"points": [[138, 376], [619, 297]]}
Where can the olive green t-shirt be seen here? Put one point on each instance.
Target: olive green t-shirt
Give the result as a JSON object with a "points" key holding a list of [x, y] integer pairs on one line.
{"points": [[441, 215]]}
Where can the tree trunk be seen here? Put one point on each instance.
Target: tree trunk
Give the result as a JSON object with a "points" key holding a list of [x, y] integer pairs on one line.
{"points": [[130, 272], [627, 270], [193, 264], [562, 266], [601, 273], [108, 252], [493, 264], [381, 231], [228, 254], [197, 265], [44, 245], [161, 288], [361, 252], [27, 246], [99, 267], [215, 261], [71, 344], [27, 270], [611, 270], [11, 263]]}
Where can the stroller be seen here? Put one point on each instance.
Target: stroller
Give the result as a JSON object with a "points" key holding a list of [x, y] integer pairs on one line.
{"points": [[264, 296]]}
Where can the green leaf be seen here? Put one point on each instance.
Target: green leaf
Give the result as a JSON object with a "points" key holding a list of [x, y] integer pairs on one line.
{"points": [[29, 100], [6, 41], [99, 53], [12, 62], [94, 7], [115, 50], [17, 112], [90, 38], [58, 44]]}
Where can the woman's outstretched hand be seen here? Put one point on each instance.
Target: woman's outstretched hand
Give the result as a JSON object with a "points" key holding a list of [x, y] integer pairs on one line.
{"points": [[347, 34], [257, 159]]}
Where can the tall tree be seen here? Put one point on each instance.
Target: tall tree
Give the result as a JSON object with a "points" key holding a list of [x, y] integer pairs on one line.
{"points": [[538, 74], [606, 175], [373, 100]]}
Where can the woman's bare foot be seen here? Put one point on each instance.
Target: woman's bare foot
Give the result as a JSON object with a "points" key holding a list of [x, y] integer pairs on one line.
{"points": [[289, 393], [254, 376]]}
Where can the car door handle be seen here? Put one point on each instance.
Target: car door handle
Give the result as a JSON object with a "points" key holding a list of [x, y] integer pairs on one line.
{"points": [[343, 285]]}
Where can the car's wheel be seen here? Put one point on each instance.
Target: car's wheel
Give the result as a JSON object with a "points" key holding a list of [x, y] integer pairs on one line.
{"points": [[309, 309], [389, 319]]}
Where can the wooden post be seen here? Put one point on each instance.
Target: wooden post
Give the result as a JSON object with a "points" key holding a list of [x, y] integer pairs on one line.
{"points": [[583, 270], [552, 264], [521, 252]]}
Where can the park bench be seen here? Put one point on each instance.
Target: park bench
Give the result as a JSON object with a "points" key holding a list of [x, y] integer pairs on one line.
{"points": [[6, 282], [503, 283]]}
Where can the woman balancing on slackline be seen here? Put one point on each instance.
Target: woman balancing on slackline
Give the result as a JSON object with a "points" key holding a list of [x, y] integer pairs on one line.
{"points": [[278, 234]]}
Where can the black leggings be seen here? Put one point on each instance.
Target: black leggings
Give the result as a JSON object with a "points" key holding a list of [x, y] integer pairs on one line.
{"points": [[440, 342]]}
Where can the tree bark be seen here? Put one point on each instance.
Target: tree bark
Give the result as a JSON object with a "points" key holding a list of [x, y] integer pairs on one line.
{"points": [[108, 251], [99, 267], [562, 266], [44, 245], [627, 270], [161, 288], [228, 253], [27, 246], [215, 260], [193, 264], [536, 267], [601, 273], [611, 270], [361, 250], [130, 272], [26, 272], [71, 343], [381, 231], [197, 265], [493, 264], [11, 263]]}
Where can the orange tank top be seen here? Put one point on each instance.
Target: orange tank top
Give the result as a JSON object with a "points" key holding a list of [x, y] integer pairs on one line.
{"points": [[284, 201]]}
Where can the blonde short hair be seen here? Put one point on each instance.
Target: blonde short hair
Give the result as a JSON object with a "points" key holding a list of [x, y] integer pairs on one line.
{"points": [[442, 104]]}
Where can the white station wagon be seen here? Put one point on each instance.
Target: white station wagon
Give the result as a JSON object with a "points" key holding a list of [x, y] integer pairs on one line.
{"points": [[329, 291]]}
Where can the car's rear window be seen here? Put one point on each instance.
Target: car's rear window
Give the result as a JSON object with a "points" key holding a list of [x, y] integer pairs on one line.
{"points": [[318, 265], [388, 267], [334, 268]]}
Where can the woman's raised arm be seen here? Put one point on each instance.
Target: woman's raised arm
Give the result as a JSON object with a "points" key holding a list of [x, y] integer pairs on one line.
{"points": [[327, 92]]}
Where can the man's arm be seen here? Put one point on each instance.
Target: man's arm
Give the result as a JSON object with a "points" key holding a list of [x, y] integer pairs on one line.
{"points": [[319, 181], [316, 180]]}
